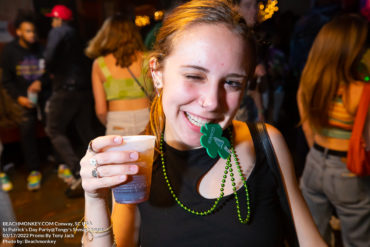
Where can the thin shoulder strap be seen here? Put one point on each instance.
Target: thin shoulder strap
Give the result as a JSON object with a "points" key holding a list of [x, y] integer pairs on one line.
{"points": [[104, 68], [138, 83], [262, 141]]}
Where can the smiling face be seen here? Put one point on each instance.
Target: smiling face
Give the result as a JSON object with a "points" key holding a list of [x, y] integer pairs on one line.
{"points": [[203, 80]]}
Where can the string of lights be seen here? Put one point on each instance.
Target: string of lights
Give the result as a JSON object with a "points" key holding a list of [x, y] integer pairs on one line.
{"points": [[267, 10]]}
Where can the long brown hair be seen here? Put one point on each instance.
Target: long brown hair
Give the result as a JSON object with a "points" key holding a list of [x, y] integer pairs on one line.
{"points": [[332, 60], [119, 36], [211, 12]]}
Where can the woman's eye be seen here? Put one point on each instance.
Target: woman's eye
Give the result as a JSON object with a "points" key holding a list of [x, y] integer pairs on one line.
{"points": [[194, 77], [234, 84]]}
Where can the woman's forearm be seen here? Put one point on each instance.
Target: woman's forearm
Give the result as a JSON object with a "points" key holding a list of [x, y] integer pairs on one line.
{"points": [[98, 227]]}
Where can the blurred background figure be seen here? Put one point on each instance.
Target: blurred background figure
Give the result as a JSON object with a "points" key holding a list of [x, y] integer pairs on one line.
{"points": [[71, 102], [10, 117], [304, 33], [6, 184], [328, 97], [167, 6], [6, 209], [365, 9], [6, 215], [121, 95], [23, 78], [306, 29], [252, 108], [249, 10]]}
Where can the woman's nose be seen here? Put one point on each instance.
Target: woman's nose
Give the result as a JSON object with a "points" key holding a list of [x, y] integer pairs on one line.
{"points": [[210, 99]]}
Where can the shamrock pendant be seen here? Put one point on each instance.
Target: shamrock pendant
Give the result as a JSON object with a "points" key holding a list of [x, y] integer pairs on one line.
{"points": [[214, 142]]}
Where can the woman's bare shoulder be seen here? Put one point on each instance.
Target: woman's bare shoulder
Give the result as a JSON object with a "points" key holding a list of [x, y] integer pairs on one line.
{"points": [[96, 70], [242, 133], [354, 95]]}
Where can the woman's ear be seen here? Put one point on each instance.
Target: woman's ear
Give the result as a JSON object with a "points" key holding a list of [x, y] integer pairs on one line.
{"points": [[156, 73]]}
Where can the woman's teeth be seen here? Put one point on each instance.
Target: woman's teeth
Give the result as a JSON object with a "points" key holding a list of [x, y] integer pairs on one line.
{"points": [[196, 120]]}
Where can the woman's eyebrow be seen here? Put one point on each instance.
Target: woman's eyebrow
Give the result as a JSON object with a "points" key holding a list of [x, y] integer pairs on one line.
{"points": [[195, 67], [206, 70], [236, 75]]}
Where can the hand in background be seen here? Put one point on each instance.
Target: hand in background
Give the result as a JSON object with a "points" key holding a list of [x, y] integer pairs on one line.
{"points": [[260, 70], [25, 102], [35, 87]]}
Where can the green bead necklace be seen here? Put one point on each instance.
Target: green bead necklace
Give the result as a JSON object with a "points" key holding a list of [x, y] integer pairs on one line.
{"points": [[228, 168]]}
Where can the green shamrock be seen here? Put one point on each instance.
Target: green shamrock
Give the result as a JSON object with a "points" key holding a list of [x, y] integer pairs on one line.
{"points": [[214, 142]]}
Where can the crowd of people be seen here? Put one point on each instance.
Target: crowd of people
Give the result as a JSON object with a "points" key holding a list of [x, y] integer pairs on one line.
{"points": [[212, 62], [52, 86]]}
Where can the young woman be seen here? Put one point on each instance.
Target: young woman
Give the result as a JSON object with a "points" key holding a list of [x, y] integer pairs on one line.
{"points": [[120, 91], [202, 60], [328, 98]]}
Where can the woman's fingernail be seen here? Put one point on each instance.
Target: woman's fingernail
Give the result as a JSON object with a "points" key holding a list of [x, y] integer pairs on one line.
{"points": [[117, 139], [134, 155], [133, 168], [122, 178]]}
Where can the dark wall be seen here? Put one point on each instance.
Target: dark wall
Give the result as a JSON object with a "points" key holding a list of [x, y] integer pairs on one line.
{"points": [[296, 6]]}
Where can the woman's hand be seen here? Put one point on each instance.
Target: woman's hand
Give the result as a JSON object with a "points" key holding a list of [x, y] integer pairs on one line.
{"points": [[112, 167]]}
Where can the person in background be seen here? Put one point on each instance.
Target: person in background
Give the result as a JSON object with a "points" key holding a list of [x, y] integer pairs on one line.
{"points": [[6, 184], [252, 108], [202, 59], [23, 78], [365, 8], [304, 33], [6, 215], [71, 102], [328, 99], [121, 95], [249, 10], [10, 117], [306, 29], [6, 210], [167, 6]]}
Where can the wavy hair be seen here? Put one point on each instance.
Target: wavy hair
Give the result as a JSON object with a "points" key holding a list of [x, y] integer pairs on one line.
{"points": [[332, 60], [119, 36], [212, 12]]}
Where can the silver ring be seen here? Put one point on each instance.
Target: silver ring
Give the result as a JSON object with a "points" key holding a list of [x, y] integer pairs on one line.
{"points": [[89, 147], [93, 162], [95, 173]]}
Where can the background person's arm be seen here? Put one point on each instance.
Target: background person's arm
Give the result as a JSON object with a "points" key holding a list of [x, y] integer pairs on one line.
{"points": [[306, 127]]}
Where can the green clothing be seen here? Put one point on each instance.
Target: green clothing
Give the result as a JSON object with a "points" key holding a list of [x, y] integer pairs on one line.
{"points": [[123, 88]]}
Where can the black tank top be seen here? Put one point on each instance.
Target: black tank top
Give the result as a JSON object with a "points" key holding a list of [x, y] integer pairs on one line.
{"points": [[165, 223]]}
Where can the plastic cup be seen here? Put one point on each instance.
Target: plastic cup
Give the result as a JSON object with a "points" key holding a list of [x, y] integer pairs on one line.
{"points": [[137, 187], [32, 96]]}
